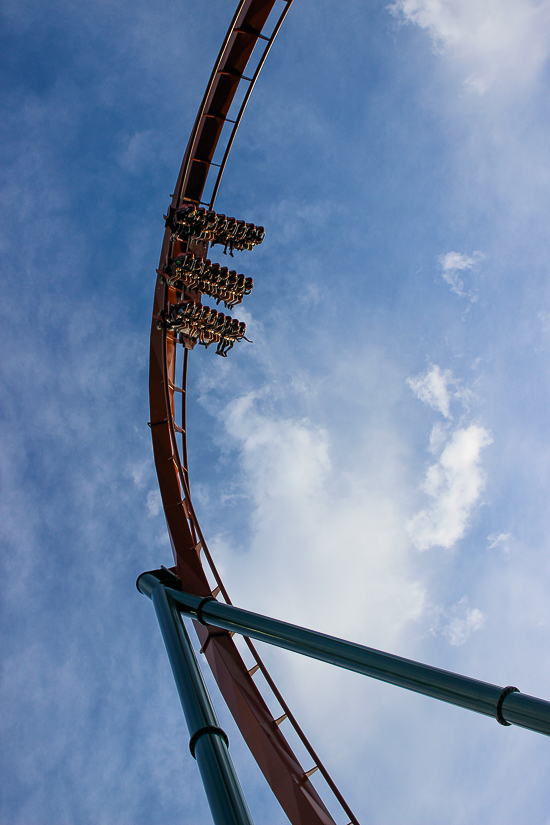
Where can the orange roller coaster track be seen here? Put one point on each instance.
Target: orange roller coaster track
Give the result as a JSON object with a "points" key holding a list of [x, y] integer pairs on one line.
{"points": [[261, 730]]}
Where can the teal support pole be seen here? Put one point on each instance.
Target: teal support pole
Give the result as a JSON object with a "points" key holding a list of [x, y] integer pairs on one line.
{"points": [[507, 705], [208, 742]]}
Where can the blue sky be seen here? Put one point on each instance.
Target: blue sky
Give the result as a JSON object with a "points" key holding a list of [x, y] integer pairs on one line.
{"points": [[374, 465]]}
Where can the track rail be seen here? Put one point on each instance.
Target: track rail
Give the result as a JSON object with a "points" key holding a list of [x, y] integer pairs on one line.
{"points": [[261, 730]]}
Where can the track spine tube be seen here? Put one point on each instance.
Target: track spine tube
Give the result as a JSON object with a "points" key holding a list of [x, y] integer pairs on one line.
{"points": [[268, 744]]}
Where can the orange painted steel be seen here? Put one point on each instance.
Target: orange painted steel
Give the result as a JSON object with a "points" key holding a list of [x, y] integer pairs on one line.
{"points": [[284, 773]]}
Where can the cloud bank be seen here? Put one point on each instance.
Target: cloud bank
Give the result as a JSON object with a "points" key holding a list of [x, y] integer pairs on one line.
{"points": [[498, 42], [314, 530]]}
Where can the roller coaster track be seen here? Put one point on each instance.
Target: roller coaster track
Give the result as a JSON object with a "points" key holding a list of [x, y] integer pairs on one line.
{"points": [[194, 565]]}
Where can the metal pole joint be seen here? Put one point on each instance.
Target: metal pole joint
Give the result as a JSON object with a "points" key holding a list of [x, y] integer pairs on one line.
{"points": [[211, 730], [506, 692], [507, 705], [208, 742]]}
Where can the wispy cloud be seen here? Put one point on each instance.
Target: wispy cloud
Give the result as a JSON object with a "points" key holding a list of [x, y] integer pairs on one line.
{"points": [[433, 388], [456, 623], [153, 503], [499, 540], [454, 262], [455, 481]]}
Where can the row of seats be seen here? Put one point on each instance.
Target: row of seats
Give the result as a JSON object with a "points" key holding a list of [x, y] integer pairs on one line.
{"points": [[209, 278], [206, 325], [215, 228]]}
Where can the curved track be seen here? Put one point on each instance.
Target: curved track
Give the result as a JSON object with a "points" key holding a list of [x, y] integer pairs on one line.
{"points": [[193, 562]]}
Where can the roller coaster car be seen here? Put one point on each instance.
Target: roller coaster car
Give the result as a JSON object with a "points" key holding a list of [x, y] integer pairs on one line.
{"points": [[190, 221], [201, 275], [197, 323]]}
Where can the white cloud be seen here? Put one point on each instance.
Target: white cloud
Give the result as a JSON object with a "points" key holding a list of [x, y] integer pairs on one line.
{"points": [[432, 387], [315, 531], [454, 262], [457, 623], [496, 41], [139, 471], [153, 503], [438, 436], [455, 483], [498, 540]]}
